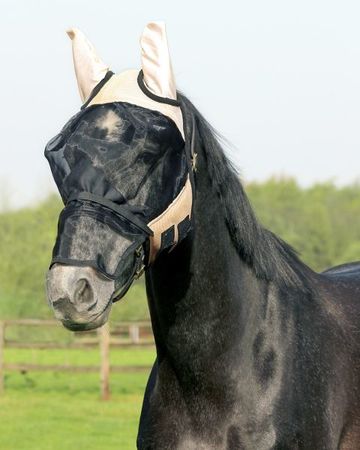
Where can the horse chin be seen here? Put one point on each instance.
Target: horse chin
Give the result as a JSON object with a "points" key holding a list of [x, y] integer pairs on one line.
{"points": [[79, 325]]}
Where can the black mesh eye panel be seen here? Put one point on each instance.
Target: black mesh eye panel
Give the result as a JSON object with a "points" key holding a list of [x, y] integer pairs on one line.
{"points": [[54, 151], [123, 152]]}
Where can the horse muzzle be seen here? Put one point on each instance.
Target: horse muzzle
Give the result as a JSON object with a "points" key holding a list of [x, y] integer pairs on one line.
{"points": [[80, 297]]}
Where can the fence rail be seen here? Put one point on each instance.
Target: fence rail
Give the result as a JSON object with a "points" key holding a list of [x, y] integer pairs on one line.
{"points": [[122, 334]]}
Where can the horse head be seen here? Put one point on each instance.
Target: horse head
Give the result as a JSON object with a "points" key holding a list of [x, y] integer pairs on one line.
{"points": [[124, 172]]}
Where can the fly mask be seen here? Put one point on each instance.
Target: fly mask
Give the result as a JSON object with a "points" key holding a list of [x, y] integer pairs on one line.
{"points": [[122, 165]]}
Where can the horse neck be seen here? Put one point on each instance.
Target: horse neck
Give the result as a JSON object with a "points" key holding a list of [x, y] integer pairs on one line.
{"points": [[201, 294]]}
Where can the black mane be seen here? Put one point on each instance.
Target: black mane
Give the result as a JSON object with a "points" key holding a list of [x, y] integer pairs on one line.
{"points": [[270, 257]]}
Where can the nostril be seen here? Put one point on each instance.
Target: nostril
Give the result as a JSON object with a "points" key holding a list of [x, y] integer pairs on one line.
{"points": [[60, 302], [62, 308], [83, 292]]}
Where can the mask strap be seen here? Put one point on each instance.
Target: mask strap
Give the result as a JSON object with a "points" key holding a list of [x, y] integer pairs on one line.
{"points": [[150, 94], [98, 88], [120, 210]]}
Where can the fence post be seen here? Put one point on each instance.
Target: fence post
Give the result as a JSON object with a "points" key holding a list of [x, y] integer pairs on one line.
{"points": [[104, 341], [2, 345], [134, 333]]}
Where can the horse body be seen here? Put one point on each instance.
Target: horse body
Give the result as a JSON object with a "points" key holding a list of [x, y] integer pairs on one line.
{"points": [[244, 362], [255, 351], [340, 297]]}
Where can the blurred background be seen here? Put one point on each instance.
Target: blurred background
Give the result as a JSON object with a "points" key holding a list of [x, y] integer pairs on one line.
{"points": [[279, 80]]}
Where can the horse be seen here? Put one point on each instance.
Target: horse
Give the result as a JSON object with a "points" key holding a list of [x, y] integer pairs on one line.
{"points": [[254, 349]]}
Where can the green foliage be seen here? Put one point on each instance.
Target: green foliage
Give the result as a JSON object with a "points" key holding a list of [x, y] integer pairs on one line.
{"points": [[27, 237], [322, 222]]}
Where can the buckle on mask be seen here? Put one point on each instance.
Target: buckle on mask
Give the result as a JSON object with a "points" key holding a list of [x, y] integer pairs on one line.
{"points": [[139, 253], [139, 268]]}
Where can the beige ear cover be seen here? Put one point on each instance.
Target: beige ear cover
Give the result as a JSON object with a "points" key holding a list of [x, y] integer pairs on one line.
{"points": [[89, 68], [155, 60]]}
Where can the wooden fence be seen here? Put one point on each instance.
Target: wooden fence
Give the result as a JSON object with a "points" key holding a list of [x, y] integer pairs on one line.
{"points": [[123, 334]]}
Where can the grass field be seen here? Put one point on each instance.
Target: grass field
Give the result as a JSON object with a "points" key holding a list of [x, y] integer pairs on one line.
{"points": [[62, 411]]}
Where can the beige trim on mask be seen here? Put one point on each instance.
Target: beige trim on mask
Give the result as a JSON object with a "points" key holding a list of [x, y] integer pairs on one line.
{"points": [[123, 87], [175, 213]]}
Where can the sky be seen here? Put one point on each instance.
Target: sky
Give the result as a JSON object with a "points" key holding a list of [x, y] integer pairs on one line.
{"points": [[280, 80]]}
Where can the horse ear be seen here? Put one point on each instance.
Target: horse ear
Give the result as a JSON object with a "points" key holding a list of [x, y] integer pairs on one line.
{"points": [[89, 68], [155, 60]]}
